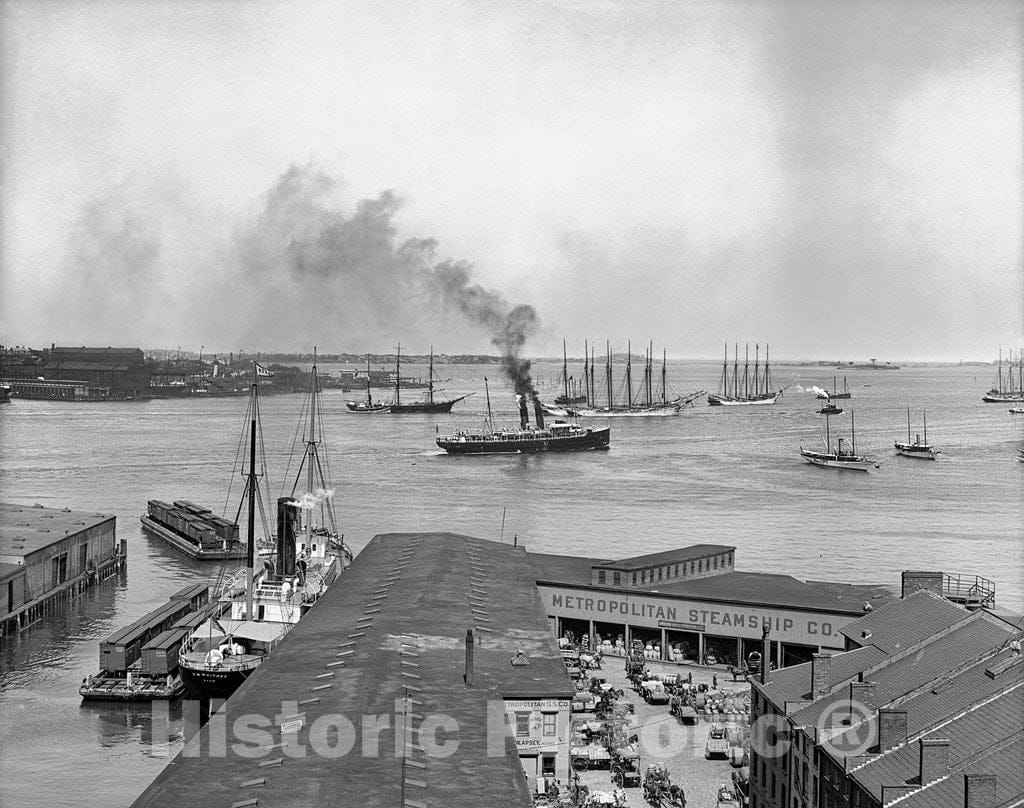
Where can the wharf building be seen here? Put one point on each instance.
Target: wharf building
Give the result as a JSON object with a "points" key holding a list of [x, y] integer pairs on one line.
{"points": [[47, 555], [89, 374], [426, 675], [692, 605], [924, 710]]}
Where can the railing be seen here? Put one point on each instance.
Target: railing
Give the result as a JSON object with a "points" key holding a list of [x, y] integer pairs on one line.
{"points": [[970, 590]]}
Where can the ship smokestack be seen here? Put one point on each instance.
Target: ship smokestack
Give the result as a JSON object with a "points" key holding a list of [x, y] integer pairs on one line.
{"points": [[524, 413], [287, 519], [538, 412]]}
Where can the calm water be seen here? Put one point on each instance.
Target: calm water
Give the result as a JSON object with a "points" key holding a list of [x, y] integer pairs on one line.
{"points": [[723, 475]]}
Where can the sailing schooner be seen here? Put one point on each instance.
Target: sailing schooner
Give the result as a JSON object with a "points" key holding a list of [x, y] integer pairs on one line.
{"points": [[745, 391]]}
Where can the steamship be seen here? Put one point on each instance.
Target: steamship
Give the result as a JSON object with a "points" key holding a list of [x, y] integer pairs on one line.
{"points": [[265, 603], [558, 437]]}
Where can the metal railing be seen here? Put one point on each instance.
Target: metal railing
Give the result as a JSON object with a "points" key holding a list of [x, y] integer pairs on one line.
{"points": [[970, 590]]}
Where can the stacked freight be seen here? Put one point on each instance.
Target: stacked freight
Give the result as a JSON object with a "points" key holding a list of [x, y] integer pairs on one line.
{"points": [[194, 523]]}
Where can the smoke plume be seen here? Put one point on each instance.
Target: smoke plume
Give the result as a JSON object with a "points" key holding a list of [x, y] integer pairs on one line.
{"points": [[352, 270]]}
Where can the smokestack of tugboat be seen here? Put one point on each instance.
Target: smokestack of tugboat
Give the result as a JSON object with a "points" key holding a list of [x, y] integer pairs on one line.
{"points": [[287, 519], [524, 413], [538, 411]]}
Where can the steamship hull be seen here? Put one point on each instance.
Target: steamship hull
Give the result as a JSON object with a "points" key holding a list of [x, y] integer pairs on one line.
{"points": [[725, 401], [526, 442], [205, 683]]}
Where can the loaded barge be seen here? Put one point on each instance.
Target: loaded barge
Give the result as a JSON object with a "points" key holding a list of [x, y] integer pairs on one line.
{"points": [[140, 662], [194, 530]]}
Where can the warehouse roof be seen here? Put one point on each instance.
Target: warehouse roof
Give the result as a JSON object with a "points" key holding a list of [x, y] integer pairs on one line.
{"points": [[905, 622], [394, 623], [1002, 760], [680, 554], [793, 684], [24, 529]]}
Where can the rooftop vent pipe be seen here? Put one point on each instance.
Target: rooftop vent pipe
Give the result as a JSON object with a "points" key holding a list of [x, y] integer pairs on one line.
{"points": [[468, 675]]}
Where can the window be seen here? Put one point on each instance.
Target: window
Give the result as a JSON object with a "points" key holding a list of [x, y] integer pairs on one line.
{"points": [[634, 579], [550, 726], [617, 578], [522, 725], [700, 565], [643, 577], [659, 573], [600, 576], [547, 765], [677, 571], [83, 556], [693, 567], [716, 562]]}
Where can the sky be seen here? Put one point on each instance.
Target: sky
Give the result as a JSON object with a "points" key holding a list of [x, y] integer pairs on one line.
{"points": [[840, 180]]}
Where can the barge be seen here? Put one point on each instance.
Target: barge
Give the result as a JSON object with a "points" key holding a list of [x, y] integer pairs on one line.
{"points": [[139, 662], [193, 530]]}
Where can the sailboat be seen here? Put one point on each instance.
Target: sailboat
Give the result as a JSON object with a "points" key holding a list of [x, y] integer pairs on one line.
{"points": [[263, 603], [646, 403], [1010, 392], [745, 391], [368, 406], [841, 458], [835, 392], [430, 404], [918, 448], [568, 399]]}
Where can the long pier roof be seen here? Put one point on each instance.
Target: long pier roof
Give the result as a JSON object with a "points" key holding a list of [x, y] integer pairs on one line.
{"points": [[393, 626]]}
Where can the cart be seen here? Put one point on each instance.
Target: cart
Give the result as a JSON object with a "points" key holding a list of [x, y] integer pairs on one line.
{"points": [[659, 790], [626, 767]]}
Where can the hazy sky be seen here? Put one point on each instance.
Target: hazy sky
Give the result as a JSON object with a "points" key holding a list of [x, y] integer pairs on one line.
{"points": [[840, 180]]}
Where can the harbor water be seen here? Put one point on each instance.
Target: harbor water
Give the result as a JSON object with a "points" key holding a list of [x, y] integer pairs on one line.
{"points": [[725, 475]]}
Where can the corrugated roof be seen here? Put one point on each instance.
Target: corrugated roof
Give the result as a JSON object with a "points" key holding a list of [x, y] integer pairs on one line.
{"points": [[904, 622], [24, 529], [793, 684], [1004, 762], [563, 569], [396, 618], [680, 554]]}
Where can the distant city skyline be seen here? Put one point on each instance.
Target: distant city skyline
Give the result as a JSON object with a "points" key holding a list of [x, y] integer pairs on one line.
{"points": [[838, 180]]}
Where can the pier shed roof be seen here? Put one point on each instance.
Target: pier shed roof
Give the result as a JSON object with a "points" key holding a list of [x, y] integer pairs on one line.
{"points": [[26, 529], [394, 624], [680, 554], [905, 622]]}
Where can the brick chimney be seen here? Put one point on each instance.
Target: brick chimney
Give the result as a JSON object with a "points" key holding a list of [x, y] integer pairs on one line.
{"points": [[892, 728], [862, 693], [916, 581], [979, 791], [766, 651], [821, 675], [934, 759]]}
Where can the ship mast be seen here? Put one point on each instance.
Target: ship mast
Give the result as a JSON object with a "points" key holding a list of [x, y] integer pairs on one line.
{"points": [[736, 370], [586, 372], [629, 374], [250, 484], [757, 378], [908, 423], [565, 372], [593, 380], [608, 374], [664, 387], [490, 419], [746, 371], [398, 374], [725, 372], [430, 377]]}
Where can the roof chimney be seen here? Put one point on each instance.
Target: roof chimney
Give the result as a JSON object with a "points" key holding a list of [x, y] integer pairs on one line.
{"points": [[468, 675], [821, 675], [934, 759], [766, 651], [862, 693], [979, 791], [892, 728]]}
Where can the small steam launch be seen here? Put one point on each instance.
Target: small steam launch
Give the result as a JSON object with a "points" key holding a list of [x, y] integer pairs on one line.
{"points": [[559, 436]]}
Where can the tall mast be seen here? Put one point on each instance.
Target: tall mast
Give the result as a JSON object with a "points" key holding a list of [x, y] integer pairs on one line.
{"points": [[747, 371], [250, 552], [593, 379], [398, 374], [586, 371], [664, 388], [608, 373], [735, 371], [311, 457], [908, 423], [853, 434], [757, 378], [767, 389], [430, 377], [650, 372], [725, 372], [490, 420], [924, 415], [828, 437], [369, 397], [565, 371], [629, 373]]}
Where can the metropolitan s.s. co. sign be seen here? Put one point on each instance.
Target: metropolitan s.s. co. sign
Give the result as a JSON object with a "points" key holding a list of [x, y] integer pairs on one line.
{"points": [[683, 614]]}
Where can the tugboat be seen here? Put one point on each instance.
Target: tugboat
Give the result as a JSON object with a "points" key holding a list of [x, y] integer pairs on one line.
{"points": [[841, 458], [830, 409], [917, 449], [559, 437], [835, 392]]}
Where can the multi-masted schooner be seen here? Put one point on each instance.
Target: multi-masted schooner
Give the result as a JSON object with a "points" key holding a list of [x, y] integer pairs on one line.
{"points": [[737, 390]]}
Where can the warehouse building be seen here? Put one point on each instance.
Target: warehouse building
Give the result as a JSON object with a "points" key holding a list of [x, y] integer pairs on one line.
{"points": [[692, 605], [425, 676], [123, 370], [46, 554], [925, 711]]}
